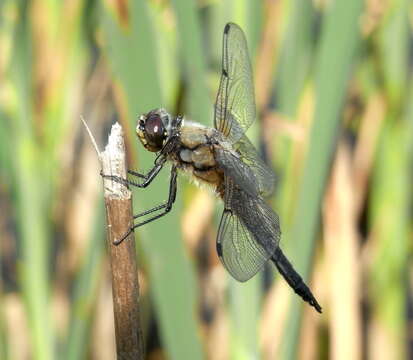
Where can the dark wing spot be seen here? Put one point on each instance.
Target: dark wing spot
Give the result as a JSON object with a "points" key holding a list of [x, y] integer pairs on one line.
{"points": [[219, 249], [227, 27]]}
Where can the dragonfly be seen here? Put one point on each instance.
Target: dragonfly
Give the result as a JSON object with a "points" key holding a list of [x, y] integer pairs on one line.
{"points": [[224, 159]]}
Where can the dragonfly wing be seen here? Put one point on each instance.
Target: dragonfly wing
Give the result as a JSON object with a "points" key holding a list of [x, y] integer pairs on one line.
{"points": [[235, 102], [233, 167], [246, 168], [248, 234], [264, 176]]}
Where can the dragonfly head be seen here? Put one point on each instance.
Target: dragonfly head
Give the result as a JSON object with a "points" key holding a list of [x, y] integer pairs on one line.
{"points": [[154, 129]]}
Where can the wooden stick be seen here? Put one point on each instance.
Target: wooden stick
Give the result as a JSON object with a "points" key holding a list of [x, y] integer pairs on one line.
{"points": [[125, 285]]}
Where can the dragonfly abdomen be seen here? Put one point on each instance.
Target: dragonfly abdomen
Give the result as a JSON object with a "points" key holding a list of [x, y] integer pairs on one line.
{"points": [[294, 279]]}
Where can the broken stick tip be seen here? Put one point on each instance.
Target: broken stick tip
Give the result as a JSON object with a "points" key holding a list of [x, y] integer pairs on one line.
{"points": [[92, 138]]}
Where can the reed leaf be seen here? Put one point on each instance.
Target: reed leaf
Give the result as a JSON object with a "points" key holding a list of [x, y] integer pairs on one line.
{"points": [[338, 44], [131, 53]]}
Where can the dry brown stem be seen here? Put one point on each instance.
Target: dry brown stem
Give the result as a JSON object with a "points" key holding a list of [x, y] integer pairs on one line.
{"points": [[125, 285]]}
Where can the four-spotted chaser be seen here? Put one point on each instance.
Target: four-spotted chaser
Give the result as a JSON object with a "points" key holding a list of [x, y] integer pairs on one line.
{"points": [[223, 158]]}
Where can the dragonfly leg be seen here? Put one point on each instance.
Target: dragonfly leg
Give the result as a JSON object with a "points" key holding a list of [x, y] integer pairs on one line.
{"points": [[147, 177], [166, 206]]}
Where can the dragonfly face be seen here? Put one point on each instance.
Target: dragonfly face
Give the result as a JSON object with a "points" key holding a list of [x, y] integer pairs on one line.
{"points": [[224, 158], [153, 129]]}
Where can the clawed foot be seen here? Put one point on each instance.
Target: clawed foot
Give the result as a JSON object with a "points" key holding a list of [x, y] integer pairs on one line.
{"points": [[117, 242], [115, 178]]}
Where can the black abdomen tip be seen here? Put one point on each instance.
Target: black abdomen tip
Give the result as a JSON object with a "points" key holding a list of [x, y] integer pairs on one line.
{"points": [[227, 27]]}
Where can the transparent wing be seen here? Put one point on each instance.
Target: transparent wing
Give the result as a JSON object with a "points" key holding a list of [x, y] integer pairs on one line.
{"points": [[234, 168], [235, 103], [246, 168], [248, 234], [264, 176], [237, 249]]}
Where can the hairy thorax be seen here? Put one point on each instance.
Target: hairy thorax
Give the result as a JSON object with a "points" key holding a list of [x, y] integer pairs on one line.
{"points": [[195, 156]]}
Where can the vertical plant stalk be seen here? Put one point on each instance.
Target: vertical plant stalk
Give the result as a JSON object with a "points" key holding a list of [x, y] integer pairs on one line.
{"points": [[125, 285]]}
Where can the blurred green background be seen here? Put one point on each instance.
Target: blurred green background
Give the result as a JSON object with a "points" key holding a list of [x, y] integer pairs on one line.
{"points": [[334, 96]]}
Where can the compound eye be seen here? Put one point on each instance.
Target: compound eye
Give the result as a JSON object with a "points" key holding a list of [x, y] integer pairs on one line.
{"points": [[154, 131]]}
